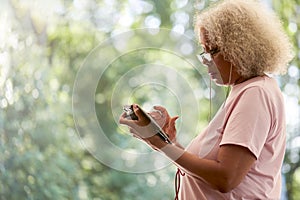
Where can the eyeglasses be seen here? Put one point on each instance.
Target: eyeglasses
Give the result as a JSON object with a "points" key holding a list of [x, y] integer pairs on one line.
{"points": [[207, 57]]}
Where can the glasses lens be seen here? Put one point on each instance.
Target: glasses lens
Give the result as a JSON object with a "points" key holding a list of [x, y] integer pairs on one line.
{"points": [[204, 58], [207, 57], [199, 56]]}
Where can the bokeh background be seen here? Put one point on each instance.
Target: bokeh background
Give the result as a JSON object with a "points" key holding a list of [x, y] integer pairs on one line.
{"points": [[43, 44]]}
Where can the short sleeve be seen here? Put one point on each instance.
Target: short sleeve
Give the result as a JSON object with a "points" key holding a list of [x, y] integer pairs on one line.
{"points": [[249, 121]]}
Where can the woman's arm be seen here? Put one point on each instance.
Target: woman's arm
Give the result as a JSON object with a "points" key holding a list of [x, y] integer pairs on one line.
{"points": [[232, 164], [224, 174]]}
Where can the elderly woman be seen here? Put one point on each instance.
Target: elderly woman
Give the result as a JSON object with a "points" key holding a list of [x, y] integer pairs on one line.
{"points": [[240, 153]]}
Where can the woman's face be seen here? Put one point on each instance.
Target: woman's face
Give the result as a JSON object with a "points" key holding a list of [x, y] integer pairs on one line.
{"points": [[220, 70]]}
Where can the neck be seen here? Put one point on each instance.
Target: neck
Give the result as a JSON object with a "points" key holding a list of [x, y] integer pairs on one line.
{"points": [[239, 80]]}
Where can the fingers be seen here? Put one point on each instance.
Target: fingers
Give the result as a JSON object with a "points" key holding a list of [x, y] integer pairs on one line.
{"points": [[142, 119], [155, 114], [124, 120], [161, 109], [143, 124]]}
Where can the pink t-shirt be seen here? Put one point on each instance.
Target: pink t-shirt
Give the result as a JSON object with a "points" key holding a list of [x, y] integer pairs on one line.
{"points": [[253, 117]]}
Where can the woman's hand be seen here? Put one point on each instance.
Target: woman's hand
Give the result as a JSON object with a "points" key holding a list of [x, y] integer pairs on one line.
{"points": [[142, 125], [163, 119], [142, 128]]}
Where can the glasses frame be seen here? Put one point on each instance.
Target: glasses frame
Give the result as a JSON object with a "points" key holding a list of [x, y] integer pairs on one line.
{"points": [[207, 56]]}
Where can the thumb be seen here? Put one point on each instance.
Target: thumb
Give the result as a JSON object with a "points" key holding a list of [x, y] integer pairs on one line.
{"points": [[172, 123], [173, 120]]}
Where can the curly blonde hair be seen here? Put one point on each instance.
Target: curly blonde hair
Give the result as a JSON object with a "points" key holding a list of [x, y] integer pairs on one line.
{"points": [[248, 34]]}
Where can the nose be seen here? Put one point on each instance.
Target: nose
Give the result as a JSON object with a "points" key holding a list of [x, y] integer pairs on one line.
{"points": [[207, 62]]}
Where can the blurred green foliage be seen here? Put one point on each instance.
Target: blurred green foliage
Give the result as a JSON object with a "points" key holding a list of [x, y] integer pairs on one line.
{"points": [[42, 46]]}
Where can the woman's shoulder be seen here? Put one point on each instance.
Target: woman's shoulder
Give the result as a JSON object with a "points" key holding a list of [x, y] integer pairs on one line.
{"points": [[264, 85], [260, 82]]}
